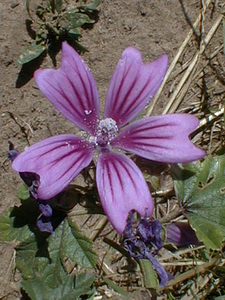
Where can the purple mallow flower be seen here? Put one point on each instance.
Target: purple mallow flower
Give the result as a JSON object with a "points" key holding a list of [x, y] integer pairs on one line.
{"points": [[181, 234], [142, 240], [121, 185]]}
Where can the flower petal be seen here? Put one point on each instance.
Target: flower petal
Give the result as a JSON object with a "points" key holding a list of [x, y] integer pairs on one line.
{"points": [[133, 85], [161, 138], [122, 188], [71, 89], [57, 160], [181, 234]]}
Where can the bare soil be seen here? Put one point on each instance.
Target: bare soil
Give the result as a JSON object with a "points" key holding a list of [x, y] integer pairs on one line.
{"points": [[154, 27]]}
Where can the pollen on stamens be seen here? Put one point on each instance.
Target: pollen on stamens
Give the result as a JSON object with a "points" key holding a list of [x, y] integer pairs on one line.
{"points": [[109, 125], [107, 130]]}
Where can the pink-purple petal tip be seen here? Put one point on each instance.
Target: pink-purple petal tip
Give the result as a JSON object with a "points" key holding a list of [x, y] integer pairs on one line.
{"points": [[133, 85], [122, 188], [71, 89], [57, 160], [161, 138]]}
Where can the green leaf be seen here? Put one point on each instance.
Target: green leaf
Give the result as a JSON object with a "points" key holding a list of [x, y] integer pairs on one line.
{"points": [[39, 260], [32, 257], [71, 288], [77, 19], [200, 188], [83, 282], [67, 242], [55, 5], [23, 192], [76, 246], [91, 6], [149, 275], [17, 222], [33, 51], [8, 230], [41, 256]]}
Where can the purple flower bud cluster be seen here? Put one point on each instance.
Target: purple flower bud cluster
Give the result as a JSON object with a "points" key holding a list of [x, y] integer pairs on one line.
{"points": [[143, 241], [44, 220], [12, 153]]}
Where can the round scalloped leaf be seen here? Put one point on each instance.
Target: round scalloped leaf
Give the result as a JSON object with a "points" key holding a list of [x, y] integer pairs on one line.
{"points": [[77, 246], [17, 224], [200, 188], [11, 231], [40, 261]]}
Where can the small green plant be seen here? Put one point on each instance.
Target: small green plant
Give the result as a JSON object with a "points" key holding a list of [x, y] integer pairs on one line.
{"points": [[53, 21]]}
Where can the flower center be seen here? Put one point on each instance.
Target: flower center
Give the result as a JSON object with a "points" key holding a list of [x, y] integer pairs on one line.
{"points": [[107, 130]]}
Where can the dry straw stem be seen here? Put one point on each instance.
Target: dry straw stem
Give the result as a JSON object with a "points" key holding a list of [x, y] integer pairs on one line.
{"points": [[175, 101], [202, 289], [193, 272], [196, 287], [211, 118], [175, 60], [179, 253], [206, 121], [187, 262]]}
